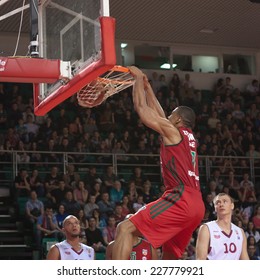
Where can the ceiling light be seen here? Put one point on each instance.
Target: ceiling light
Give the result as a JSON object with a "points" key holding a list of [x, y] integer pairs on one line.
{"points": [[207, 30], [123, 45], [168, 66]]}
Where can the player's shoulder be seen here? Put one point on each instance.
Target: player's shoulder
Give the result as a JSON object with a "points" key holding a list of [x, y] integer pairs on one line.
{"points": [[86, 247], [209, 224]]}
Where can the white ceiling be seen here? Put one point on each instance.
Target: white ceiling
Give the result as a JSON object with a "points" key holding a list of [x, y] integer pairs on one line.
{"points": [[235, 22]]}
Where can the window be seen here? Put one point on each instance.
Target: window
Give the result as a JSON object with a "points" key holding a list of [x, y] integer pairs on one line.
{"points": [[239, 64]]}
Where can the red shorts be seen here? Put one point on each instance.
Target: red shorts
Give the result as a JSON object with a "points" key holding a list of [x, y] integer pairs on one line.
{"points": [[171, 220]]}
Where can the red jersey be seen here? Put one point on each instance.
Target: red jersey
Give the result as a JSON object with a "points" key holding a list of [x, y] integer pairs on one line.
{"points": [[179, 163], [141, 251]]}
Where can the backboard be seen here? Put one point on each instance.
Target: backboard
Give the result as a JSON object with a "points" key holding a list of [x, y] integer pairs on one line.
{"points": [[80, 34]]}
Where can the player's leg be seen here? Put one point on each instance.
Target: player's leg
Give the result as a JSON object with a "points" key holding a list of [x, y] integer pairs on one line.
{"points": [[124, 240]]}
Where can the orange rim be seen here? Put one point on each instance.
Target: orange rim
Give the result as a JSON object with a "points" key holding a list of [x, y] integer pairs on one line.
{"points": [[120, 69]]}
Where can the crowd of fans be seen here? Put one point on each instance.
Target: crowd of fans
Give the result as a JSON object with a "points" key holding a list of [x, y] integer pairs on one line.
{"points": [[227, 129]]}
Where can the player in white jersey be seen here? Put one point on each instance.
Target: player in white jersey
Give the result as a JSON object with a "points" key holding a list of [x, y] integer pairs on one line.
{"points": [[221, 239], [71, 248]]}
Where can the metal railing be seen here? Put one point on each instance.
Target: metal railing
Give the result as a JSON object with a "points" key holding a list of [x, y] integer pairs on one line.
{"points": [[12, 161]]}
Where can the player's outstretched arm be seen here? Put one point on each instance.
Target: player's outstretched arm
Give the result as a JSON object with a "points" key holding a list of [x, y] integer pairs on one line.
{"points": [[202, 244], [152, 101]]}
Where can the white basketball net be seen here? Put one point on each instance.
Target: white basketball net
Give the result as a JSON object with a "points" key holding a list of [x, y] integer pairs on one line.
{"points": [[112, 82]]}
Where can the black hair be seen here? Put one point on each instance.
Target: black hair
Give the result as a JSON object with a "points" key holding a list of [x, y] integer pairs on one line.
{"points": [[187, 115]]}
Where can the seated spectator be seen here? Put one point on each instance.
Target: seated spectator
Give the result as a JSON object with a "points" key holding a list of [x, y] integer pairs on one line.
{"points": [[125, 141], [33, 209], [213, 188], [83, 221], [71, 177], [51, 148], [36, 183], [253, 248], [109, 178], [253, 154], [90, 206], [103, 152], [246, 193], [118, 213], [126, 207], [47, 226], [119, 151], [251, 231], [80, 193], [218, 178], [138, 177], [60, 215], [107, 119], [109, 232], [132, 191], [94, 236], [252, 90], [58, 195], [96, 190], [139, 203], [209, 206], [92, 177], [32, 128], [71, 205], [52, 179], [233, 184], [105, 205], [116, 193], [213, 120], [237, 114], [256, 217], [219, 88], [101, 222], [22, 185], [148, 195]]}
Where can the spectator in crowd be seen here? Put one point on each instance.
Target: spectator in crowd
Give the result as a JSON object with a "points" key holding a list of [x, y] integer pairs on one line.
{"points": [[105, 205], [109, 178], [126, 207], [52, 179], [47, 226], [118, 213], [80, 193], [90, 206], [251, 231], [94, 236], [21, 183], [57, 195], [109, 232], [33, 209], [71, 177], [256, 217], [60, 215], [116, 193], [131, 191], [92, 177], [253, 249], [71, 205], [139, 203], [36, 183], [83, 221], [100, 222]]}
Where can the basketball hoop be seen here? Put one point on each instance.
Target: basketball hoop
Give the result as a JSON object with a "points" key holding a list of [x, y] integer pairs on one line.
{"points": [[108, 84]]}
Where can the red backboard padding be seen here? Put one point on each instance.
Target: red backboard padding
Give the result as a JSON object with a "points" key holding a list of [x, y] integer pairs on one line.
{"points": [[107, 61], [29, 70]]}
